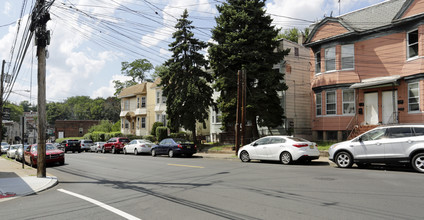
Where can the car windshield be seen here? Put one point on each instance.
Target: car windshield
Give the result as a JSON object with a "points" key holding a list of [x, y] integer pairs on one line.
{"points": [[48, 147], [181, 141], [146, 141]]}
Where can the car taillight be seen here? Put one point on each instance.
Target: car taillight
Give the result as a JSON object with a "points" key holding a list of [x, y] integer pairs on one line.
{"points": [[300, 145], [67, 145], [195, 146], [179, 146]]}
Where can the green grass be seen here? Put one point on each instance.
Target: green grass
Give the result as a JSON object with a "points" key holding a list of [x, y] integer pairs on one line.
{"points": [[221, 147], [325, 145], [5, 157]]}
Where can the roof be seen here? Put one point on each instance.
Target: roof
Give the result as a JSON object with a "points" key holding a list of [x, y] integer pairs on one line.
{"points": [[133, 90], [376, 82], [156, 83], [366, 19]]}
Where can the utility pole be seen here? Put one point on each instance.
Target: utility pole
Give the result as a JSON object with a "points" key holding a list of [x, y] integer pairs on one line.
{"points": [[238, 110], [40, 17], [1, 99], [243, 107]]}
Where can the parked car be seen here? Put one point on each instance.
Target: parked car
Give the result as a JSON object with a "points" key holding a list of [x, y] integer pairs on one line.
{"points": [[385, 144], [115, 145], [53, 155], [173, 147], [97, 147], [279, 148], [70, 145], [85, 145], [138, 146], [19, 153], [4, 147], [11, 153]]}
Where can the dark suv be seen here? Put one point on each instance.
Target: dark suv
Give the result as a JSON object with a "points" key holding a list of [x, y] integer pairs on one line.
{"points": [[70, 145]]}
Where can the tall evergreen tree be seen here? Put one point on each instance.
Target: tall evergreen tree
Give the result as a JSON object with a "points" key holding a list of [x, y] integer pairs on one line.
{"points": [[246, 39], [186, 84]]}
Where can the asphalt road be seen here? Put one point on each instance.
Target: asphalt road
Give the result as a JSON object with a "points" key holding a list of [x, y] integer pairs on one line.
{"points": [[106, 186]]}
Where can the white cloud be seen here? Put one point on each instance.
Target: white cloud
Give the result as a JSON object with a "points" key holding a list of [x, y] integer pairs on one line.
{"points": [[107, 91], [7, 7], [165, 52]]}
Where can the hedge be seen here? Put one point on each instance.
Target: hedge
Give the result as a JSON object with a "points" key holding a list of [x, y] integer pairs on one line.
{"points": [[161, 133]]}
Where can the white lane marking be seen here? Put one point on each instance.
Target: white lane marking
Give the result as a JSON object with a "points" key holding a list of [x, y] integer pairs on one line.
{"points": [[107, 207]]}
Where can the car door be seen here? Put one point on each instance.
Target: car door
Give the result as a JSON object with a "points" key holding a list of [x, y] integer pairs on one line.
{"points": [[259, 148], [274, 148], [370, 146], [162, 146], [130, 146], [400, 139]]}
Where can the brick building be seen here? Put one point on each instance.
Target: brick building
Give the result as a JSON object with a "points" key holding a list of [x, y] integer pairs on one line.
{"points": [[73, 128]]}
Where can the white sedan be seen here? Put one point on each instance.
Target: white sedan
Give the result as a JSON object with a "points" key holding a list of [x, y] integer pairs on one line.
{"points": [[279, 148], [138, 146]]}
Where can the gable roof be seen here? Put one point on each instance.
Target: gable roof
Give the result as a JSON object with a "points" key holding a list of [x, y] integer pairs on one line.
{"points": [[133, 90], [367, 19]]}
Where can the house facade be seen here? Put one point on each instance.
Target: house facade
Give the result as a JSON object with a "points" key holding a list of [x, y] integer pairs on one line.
{"points": [[367, 69]]}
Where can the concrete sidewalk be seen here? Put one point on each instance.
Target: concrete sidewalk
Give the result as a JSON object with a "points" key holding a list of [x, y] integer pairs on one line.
{"points": [[15, 181]]}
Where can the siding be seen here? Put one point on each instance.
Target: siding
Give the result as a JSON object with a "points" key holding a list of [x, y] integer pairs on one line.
{"points": [[417, 7], [329, 29]]}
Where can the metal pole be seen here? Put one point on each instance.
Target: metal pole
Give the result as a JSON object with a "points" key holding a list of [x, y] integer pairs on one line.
{"points": [[1, 99], [23, 140], [237, 135], [243, 108]]}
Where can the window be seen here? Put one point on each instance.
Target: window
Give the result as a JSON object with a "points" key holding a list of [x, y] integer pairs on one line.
{"points": [[138, 102], [318, 103], [330, 59], [164, 120], [163, 99], [143, 122], [331, 102], [143, 102], [348, 56], [413, 97], [157, 97], [127, 125], [158, 117], [296, 52], [419, 131], [263, 141], [348, 102], [318, 62], [373, 135], [127, 105], [412, 42], [400, 132], [138, 122]]}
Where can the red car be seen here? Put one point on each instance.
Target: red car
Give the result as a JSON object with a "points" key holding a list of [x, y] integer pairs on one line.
{"points": [[115, 145], [53, 155]]}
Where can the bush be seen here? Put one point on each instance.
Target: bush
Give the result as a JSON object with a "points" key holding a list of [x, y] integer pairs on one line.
{"points": [[161, 133], [117, 126], [155, 125], [180, 134], [150, 138], [104, 126], [59, 140]]}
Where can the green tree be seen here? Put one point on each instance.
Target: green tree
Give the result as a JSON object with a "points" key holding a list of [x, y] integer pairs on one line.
{"points": [[96, 109], [292, 34], [246, 39], [57, 111], [79, 106], [186, 84], [26, 106], [159, 70], [111, 109], [119, 86], [16, 112], [137, 69]]}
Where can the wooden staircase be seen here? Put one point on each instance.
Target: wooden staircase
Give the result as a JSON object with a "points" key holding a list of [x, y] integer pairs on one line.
{"points": [[359, 129]]}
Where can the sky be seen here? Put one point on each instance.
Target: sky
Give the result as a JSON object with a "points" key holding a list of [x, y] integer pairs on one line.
{"points": [[91, 38]]}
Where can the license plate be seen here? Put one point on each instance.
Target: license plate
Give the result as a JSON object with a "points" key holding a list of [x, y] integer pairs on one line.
{"points": [[311, 146], [188, 147]]}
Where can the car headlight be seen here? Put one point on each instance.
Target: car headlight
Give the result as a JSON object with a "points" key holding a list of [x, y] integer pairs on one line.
{"points": [[333, 146]]}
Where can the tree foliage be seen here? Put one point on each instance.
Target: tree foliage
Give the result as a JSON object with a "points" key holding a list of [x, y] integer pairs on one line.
{"points": [[292, 34], [245, 39], [137, 69], [186, 84]]}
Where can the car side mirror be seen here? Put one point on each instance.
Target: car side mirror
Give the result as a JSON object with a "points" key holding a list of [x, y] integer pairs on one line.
{"points": [[360, 139]]}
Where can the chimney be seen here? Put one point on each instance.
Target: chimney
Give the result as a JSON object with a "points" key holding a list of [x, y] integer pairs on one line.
{"points": [[300, 39]]}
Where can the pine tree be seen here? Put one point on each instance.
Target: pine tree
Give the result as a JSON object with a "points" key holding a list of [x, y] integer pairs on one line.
{"points": [[186, 84], [246, 39]]}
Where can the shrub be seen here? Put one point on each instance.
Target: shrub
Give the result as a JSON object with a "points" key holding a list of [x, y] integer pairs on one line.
{"points": [[117, 126], [180, 134], [161, 133], [155, 125], [150, 138]]}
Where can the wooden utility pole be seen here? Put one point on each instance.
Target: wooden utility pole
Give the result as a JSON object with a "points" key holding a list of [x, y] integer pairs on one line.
{"points": [[243, 108], [1, 99], [238, 116], [42, 37]]}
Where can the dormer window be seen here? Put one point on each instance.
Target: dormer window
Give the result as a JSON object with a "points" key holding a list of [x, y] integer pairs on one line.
{"points": [[317, 62], [412, 42]]}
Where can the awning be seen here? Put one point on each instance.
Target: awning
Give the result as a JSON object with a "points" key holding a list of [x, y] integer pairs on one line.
{"points": [[377, 82]]}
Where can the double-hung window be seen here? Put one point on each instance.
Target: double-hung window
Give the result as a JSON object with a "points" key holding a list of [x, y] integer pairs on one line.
{"points": [[143, 102], [331, 107], [330, 59], [348, 56], [348, 102], [317, 62], [318, 103], [412, 42], [143, 122], [157, 97], [127, 105], [413, 97]]}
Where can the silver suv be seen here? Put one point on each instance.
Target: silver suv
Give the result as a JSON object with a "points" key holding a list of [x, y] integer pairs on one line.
{"points": [[386, 144]]}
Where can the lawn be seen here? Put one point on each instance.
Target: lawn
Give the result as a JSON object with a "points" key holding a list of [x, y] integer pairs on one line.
{"points": [[325, 145]]}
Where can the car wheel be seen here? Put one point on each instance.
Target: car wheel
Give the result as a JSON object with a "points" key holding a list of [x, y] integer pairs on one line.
{"points": [[286, 158], [31, 164], [418, 162], [135, 152], [344, 160], [113, 150], [103, 150], [153, 153], [171, 153], [65, 151], [244, 156], [125, 151]]}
